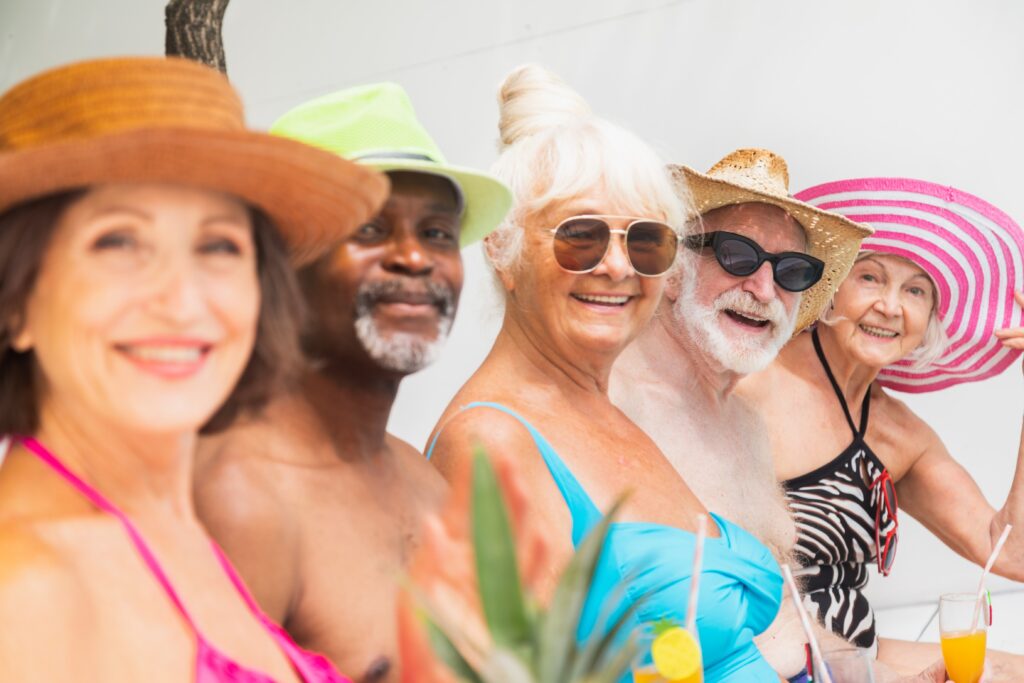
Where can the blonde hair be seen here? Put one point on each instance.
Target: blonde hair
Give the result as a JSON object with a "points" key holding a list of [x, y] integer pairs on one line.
{"points": [[553, 149], [935, 341]]}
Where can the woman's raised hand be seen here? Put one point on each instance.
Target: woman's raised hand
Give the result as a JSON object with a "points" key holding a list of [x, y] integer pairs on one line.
{"points": [[1013, 337]]}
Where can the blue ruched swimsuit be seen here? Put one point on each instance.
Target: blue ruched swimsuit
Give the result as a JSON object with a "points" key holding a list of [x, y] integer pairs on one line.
{"points": [[740, 590]]}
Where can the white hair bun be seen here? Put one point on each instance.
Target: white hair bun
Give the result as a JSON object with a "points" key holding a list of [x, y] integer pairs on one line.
{"points": [[533, 99]]}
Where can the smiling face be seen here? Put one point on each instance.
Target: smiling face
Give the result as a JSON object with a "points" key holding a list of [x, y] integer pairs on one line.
{"points": [[598, 312], [144, 312], [391, 288], [882, 309], [741, 321]]}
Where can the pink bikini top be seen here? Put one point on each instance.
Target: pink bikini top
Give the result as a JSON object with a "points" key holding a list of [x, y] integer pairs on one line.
{"points": [[212, 666]]}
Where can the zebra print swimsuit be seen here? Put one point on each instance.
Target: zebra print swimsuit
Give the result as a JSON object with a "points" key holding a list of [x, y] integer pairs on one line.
{"points": [[834, 509]]}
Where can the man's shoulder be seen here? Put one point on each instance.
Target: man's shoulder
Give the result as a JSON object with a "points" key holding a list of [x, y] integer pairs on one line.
{"points": [[280, 435], [243, 478]]}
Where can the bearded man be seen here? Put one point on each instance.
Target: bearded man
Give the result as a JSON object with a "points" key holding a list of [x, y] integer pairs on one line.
{"points": [[758, 267], [315, 503]]}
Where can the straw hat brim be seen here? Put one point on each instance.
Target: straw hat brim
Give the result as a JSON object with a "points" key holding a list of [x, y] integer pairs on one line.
{"points": [[487, 198], [312, 196], [832, 238]]}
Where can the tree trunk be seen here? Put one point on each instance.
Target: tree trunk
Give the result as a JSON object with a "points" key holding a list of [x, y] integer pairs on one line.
{"points": [[194, 31]]}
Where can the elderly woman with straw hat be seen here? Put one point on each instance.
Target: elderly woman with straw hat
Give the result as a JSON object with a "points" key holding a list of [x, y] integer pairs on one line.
{"points": [[582, 261], [933, 300], [146, 295]]}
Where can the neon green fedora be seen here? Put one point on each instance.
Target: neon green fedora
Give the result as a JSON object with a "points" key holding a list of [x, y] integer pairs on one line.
{"points": [[377, 126]]}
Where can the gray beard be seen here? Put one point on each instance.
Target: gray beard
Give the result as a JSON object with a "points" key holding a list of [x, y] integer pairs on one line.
{"points": [[401, 352], [741, 356]]}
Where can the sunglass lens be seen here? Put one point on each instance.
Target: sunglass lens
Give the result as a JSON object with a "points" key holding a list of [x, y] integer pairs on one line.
{"points": [[889, 553], [651, 247], [736, 257], [581, 243], [796, 274], [890, 496]]}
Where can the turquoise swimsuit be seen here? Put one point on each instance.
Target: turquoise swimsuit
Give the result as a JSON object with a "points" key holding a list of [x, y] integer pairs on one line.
{"points": [[740, 589]]}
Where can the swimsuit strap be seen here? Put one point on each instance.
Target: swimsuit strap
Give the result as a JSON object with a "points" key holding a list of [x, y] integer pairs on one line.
{"points": [[585, 513], [102, 503], [839, 394]]}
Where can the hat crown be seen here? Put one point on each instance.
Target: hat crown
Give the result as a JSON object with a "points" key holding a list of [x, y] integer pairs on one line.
{"points": [[755, 169], [109, 96], [368, 122]]}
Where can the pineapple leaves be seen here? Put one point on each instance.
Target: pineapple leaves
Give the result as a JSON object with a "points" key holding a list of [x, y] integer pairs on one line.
{"points": [[532, 645], [501, 592], [449, 654], [558, 628]]}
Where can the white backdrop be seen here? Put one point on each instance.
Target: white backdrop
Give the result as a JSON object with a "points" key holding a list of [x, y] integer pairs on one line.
{"points": [[925, 88]]}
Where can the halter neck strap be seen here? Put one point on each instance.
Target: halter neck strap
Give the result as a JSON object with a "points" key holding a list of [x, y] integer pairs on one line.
{"points": [[839, 394]]}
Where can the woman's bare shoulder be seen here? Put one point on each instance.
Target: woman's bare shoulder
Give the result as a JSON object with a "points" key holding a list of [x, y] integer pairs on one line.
{"points": [[896, 420], [44, 605]]}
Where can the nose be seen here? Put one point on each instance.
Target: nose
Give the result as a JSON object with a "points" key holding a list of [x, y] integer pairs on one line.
{"points": [[406, 256], [616, 263], [761, 283], [888, 302], [179, 293]]}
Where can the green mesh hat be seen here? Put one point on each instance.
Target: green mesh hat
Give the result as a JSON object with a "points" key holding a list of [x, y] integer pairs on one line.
{"points": [[376, 125]]}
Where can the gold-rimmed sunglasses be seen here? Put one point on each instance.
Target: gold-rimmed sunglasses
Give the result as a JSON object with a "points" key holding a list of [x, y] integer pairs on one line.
{"points": [[582, 242]]}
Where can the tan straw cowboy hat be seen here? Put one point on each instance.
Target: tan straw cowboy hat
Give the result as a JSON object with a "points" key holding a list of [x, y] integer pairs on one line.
{"points": [[757, 175], [154, 119]]}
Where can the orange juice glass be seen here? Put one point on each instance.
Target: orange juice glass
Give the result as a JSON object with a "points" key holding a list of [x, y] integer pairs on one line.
{"points": [[648, 674], [963, 630]]}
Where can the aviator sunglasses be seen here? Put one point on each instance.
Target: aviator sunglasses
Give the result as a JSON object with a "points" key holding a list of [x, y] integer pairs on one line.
{"points": [[739, 255], [582, 242]]}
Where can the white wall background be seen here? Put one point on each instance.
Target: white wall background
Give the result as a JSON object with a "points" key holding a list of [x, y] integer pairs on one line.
{"points": [[925, 88]]}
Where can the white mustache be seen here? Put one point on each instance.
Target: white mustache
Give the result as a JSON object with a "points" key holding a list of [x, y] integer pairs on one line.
{"points": [[745, 303]]}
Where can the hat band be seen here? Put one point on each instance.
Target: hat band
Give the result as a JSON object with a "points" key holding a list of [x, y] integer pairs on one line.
{"points": [[412, 156], [392, 155]]}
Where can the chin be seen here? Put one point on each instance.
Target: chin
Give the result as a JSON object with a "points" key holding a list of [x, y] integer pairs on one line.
{"points": [[605, 340], [168, 411]]}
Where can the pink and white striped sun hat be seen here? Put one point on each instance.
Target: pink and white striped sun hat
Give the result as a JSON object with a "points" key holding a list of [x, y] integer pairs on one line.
{"points": [[973, 251]]}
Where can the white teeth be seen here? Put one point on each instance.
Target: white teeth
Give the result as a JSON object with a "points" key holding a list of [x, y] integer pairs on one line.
{"points": [[165, 354], [879, 332], [750, 316], [593, 298]]}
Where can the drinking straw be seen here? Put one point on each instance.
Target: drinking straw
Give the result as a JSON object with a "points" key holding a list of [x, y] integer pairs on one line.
{"points": [[698, 560], [988, 567], [806, 623]]}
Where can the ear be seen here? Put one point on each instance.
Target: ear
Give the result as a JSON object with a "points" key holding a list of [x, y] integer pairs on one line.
{"points": [[673, 283], [21, 341], [494, 248]]}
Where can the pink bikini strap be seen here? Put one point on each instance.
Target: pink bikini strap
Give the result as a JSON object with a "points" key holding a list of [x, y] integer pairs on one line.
{"points": [[102, 503]]}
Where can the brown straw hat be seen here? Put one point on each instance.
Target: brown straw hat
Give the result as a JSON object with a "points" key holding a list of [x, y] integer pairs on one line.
{"points": [[155, 119], [757, 175]]}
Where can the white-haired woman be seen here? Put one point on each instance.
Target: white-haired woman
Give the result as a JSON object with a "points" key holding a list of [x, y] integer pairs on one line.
{"points": [[923, 308], [581, 259]]}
